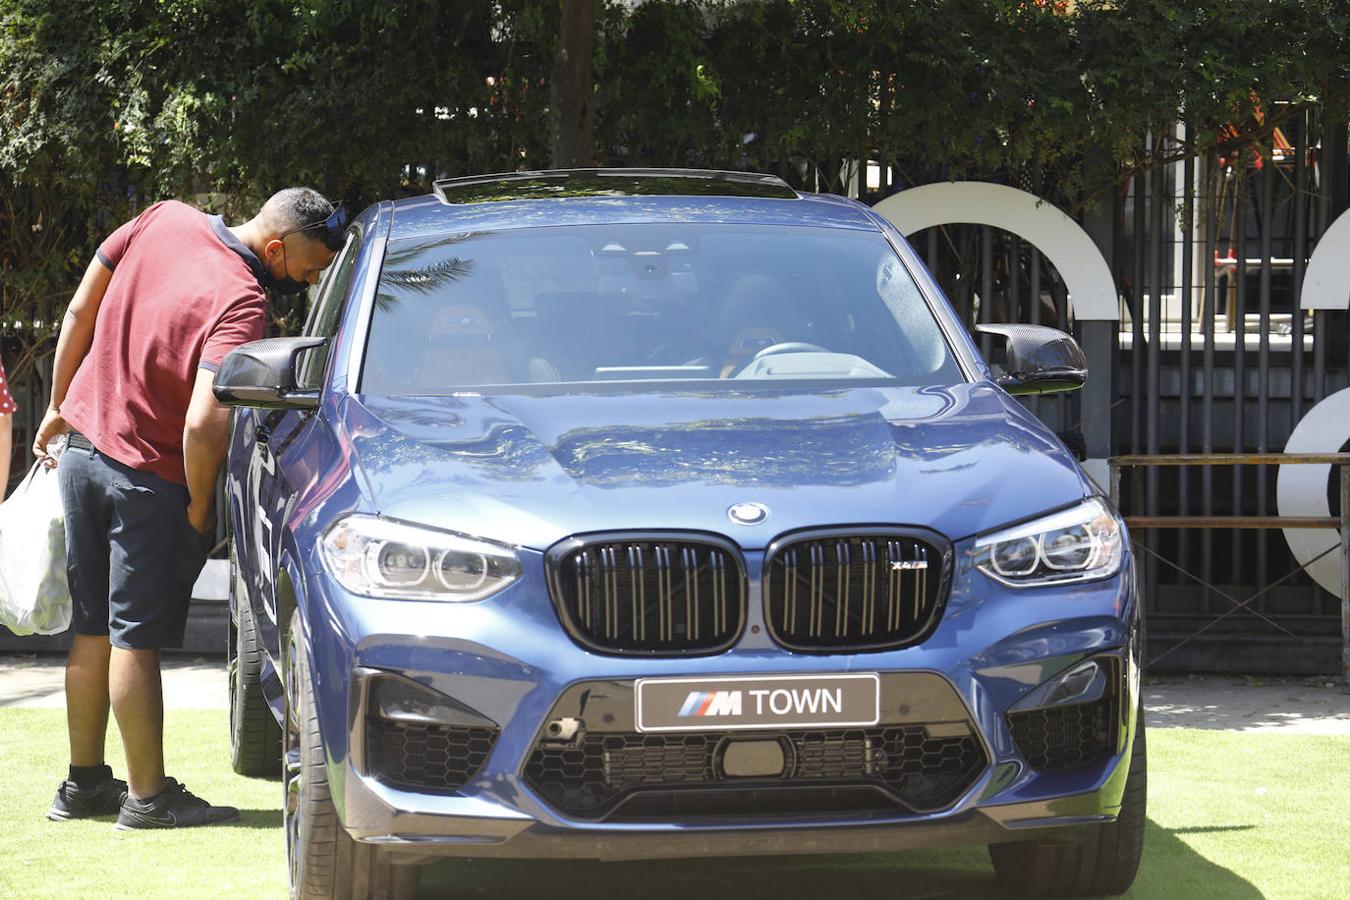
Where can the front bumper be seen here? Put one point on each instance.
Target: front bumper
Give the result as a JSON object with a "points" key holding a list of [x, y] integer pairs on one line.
{"points": [[423, 838], [979, 814], [990, 651]]}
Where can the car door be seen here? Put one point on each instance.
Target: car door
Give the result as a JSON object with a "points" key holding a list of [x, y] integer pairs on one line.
{"points": [[268, 487]]}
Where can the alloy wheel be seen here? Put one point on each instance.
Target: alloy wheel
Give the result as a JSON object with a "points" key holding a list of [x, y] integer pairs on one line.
{"points": [[232, 649], [232, 675], [293, 768]]}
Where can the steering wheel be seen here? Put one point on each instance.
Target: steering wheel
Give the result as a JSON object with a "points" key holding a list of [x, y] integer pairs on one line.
{"points": [[775, 349], [788, 347]]}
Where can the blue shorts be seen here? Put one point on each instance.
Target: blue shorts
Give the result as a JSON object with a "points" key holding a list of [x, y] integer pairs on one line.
{"points": [[132, 557]]}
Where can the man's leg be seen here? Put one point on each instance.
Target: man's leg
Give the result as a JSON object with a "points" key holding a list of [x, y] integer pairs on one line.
{"points": [[154, 561], [90, 790], [87, 698], [138, 702], [153, 801]]}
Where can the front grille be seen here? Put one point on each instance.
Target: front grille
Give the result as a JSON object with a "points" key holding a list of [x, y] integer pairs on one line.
{"points": [[649, 594], [856, 591], [1062, 737], [906, 768], [426, 757]]}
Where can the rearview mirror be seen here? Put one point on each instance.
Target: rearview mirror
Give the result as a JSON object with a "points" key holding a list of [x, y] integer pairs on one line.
{"points": [[1039, 360], [262, 373]]}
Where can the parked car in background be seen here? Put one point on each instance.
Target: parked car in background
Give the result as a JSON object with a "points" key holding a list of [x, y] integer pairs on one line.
{"points": [[626, 514]]}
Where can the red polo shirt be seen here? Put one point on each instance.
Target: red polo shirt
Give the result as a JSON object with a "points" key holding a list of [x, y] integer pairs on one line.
{"points": [[183, 294]]}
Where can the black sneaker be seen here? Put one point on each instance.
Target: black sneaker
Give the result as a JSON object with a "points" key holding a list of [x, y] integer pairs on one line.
{"points": [[174, 807], [75, 802]]}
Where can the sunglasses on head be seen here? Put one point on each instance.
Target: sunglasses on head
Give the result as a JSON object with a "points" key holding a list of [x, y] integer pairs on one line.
{"points": [[332, 229]]}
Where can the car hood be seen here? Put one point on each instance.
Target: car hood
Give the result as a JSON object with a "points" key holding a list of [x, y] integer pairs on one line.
{"points": [[531, 470]]}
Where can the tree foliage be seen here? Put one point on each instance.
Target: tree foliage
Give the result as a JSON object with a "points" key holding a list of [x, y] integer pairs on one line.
{"points": [[105, 106]]}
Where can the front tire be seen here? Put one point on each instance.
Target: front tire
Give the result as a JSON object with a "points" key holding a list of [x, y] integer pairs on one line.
{"points": [[1102, 864], [322, 858], [255, 736]]}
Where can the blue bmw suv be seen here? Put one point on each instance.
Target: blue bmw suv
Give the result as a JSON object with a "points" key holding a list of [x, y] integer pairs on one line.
{"points": [[624, 514]]}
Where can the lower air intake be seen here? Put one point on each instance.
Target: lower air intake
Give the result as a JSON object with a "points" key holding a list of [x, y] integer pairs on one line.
{"points": [[634, 777], [1063, 737], [427, 757]]}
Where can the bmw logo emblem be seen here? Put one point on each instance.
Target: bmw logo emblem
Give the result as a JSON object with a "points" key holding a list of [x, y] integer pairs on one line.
{"points": [[748, 513]]}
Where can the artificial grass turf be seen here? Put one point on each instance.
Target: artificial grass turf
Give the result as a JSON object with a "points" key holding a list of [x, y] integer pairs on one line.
{"points": [[1232, 815], [90, 858]]}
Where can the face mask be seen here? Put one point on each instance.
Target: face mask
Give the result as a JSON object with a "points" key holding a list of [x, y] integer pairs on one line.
{"points": [[287, 286]]}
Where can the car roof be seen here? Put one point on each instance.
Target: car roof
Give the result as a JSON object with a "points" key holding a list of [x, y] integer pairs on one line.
{"points": [[607, 196]]}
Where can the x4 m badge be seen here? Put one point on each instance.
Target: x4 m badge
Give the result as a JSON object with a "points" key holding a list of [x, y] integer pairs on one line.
{"points": [[908, 565]]}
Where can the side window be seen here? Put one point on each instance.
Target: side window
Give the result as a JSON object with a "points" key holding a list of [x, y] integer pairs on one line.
{"points": [[327, 308]]}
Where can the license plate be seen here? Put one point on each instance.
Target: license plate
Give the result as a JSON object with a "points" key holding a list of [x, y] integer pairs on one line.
{"points": [[751, 702]]}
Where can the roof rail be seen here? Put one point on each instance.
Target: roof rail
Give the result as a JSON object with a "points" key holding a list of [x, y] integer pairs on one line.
{"points": [[557, 183]]}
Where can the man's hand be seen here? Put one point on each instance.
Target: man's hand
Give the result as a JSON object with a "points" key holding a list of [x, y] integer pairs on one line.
{"points": [[52, 425], [202, 518]]}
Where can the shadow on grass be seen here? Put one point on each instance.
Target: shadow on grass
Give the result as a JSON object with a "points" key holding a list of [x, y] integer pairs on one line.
{"points": [[257, 818], [1170, 868], [16, 697], [1211, 829]]}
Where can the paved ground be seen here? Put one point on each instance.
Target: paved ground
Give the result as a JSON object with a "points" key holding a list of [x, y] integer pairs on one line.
{"points": [[1289, 705], [37, 681]]}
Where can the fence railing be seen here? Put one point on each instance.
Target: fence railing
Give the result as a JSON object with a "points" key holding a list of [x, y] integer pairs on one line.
{"points": [[1340, 523]]}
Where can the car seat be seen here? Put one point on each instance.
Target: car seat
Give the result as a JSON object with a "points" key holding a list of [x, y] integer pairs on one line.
{"points": [[758, 313], [461, 350]]}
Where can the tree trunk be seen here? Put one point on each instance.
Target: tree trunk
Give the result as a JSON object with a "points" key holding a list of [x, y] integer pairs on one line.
{"points": [[571, 92]]}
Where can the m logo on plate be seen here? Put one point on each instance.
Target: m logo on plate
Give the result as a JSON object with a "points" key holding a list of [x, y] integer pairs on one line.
{"points": [[712, 703]]}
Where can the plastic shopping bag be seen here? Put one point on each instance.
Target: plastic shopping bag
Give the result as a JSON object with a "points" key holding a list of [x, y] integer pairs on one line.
{"points": [[34, 596]]}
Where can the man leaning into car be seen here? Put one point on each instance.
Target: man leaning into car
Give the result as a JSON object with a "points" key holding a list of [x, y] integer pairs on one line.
{"points": [[169, 295]]}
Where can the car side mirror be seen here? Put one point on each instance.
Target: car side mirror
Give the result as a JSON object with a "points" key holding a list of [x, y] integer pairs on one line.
{"points": [[262, 373], [1039, 360]]}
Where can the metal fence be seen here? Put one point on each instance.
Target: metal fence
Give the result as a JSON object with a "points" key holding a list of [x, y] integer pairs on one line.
{"points": [[1219, 357], [1213, 354]]}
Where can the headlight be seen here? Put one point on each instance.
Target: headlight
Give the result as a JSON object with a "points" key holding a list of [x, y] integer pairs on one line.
{"points": [[1077, 544], [380, 558]]}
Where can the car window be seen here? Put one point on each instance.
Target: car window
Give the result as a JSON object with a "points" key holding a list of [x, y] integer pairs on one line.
{"points": [[323, 317], [731, 306]]}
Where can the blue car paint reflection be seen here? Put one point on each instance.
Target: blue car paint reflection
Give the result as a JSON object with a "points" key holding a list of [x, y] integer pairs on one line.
{"points": [[533, 468]]}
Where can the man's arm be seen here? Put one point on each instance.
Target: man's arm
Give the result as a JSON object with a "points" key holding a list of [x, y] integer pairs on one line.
{"points": [[77, 334], [206, 437]]}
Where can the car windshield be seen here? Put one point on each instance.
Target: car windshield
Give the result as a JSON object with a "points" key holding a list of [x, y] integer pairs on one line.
{"points": [[608, 307]]}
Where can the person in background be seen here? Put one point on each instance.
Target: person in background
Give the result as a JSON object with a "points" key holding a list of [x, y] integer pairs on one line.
{"points": [[169, 294], [7, 410]]}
